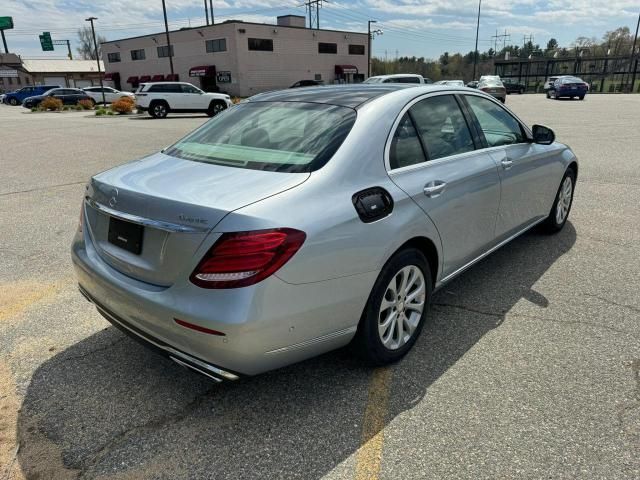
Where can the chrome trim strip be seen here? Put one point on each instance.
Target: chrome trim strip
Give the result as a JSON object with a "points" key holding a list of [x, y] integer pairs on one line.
{"points": [[191, 367], [488, 252], [172, 351], [313, 341], [147, 222]]}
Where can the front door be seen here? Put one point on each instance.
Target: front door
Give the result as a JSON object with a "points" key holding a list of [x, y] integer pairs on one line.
{"points": [[525, 167], [433, 159]]}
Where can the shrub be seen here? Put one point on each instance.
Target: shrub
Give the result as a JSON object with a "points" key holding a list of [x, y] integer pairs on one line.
{"points": [[110, 112], [86, 104], [66, 108], [79, 107], [34, 109], [122, 106], [236, 100], [127, 99], [51, 103], [99, 112]]}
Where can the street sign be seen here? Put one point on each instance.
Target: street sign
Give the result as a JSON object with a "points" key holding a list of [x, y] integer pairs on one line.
{"points": [[6, 23], [45, 42], [8, 73]]}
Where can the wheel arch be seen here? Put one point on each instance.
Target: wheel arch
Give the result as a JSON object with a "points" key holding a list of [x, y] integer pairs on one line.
{"points": [[428, 249]]}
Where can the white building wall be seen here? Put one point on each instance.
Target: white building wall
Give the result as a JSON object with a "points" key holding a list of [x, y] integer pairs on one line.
{"points": [[295, 56]]}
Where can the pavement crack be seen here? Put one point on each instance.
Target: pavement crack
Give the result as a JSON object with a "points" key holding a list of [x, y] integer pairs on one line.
{"points": [[612, 302], [46, 187], [151, 425]]}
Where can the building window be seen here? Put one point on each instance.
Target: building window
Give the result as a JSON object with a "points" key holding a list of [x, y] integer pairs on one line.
{"points": [[327, 47], [113, 57], [356, 49], [261, 44], [219, 45], [137, 54], [163, 52]]}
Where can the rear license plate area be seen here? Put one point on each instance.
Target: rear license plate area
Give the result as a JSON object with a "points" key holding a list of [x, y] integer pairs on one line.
{"points": [[125, 235]]}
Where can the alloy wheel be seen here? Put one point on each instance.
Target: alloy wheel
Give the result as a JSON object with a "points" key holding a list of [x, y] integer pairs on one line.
{"points": [[401, 307], [160, 110], [564, 200]]}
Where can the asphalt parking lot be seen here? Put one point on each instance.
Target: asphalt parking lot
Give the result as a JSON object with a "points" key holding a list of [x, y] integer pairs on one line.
{"points": [[528, 368]]}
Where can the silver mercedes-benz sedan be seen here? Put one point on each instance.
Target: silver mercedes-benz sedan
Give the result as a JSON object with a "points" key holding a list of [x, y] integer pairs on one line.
{"points": [[303, 220]]}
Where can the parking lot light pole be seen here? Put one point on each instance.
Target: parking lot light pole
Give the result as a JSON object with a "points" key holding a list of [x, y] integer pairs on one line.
{"points": [[95, 43], [369, 47], [166, 29]]}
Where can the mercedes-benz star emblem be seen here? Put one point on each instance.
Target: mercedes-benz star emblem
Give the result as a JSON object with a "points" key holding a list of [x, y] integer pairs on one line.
{"points": [[114, 198]]}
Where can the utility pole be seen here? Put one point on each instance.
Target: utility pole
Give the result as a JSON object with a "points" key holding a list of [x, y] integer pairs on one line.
{"points": [[4, 41], [211, 10], [504, 38], [166, 29], [206, 11], [95, 43], [632, 67], [370, 36], [314, 13], [475, 52]]}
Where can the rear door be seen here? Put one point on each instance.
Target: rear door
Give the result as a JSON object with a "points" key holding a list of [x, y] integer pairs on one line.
{"points": [[432, 157], [525, 168]]}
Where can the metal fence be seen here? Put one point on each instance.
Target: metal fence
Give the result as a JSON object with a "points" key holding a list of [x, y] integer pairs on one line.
{"points": [[606, 74]]}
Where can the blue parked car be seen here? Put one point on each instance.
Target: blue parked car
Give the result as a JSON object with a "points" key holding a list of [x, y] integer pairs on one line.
{"points": [[17, 97], [568, 87]]}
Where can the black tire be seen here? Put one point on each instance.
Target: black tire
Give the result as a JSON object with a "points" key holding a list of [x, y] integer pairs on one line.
{"points": [[503, 100], [551, 224], [581, 97], [13, 101], [216, 107], [367, 342], [521, 91], [158, 109], [548, 94]]}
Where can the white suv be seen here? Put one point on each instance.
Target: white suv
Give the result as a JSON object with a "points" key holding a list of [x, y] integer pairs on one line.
{"points": [[160, 98]]}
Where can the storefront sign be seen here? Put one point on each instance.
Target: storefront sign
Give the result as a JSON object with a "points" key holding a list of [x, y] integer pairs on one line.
{"points": [[9, 73], [223, 77]]}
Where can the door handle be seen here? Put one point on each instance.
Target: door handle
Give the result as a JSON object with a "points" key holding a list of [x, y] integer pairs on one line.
{"points": [[507, 163], [435, 188]]}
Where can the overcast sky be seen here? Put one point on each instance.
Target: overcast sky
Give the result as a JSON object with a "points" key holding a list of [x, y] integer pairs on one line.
{"points": [[411, 27]]}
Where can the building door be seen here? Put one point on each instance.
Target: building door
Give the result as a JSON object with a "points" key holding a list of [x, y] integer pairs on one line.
{"points": [[62, 81], [208, 83], [82, 83]]}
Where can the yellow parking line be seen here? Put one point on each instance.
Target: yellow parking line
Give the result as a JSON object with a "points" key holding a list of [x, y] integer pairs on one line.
{"points": [[369, 456]]}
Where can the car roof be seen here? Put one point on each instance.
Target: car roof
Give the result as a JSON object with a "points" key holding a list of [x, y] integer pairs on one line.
{"points": [[351, 96], [396, 75]]}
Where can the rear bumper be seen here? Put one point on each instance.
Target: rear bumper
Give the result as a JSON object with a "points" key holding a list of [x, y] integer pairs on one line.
{"points": [[266, 326]]}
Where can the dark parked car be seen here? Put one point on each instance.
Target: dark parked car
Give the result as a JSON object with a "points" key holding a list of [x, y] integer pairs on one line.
{"points": [[473, 84], [568, 87], [307, 83], [513, 86], [17, 97], [69, 96]]}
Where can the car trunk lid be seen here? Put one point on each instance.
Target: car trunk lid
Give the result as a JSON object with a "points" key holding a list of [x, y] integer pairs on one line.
{"points": [[169, 206]]}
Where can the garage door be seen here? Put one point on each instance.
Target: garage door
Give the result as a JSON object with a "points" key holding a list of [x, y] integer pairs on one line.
{"points": [[82, 83], [62, 81]]}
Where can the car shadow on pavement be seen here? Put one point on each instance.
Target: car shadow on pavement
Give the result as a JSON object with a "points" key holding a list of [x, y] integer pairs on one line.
{"points": [[144, 116], [107, 405]]}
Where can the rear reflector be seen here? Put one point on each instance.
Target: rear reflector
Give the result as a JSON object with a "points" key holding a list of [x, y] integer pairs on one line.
{"points": [[198, 328], [245, 258]]}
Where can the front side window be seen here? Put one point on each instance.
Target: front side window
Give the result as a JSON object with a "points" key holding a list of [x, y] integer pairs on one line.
{"points": [[218, 45], [137, 54], [356, 49], [272, 136], [189, 89], [442, 127], [113, 57], [498, 126], [327, 47], [164, 51], [260, 44]]}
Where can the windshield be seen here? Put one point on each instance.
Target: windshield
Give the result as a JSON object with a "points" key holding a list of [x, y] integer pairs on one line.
{"points": [[273, 136]]}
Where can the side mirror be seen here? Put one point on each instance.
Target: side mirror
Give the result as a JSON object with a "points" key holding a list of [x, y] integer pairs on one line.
{"points": [[543, 135]]}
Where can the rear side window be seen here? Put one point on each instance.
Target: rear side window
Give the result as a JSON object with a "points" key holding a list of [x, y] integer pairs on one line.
{"points": [[442, 126], [272, 136], [498, 126], [166, 88], [405, 147]]}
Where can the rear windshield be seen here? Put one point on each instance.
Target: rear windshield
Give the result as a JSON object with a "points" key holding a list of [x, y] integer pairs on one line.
{"points": [[572, 80], [273, 136]]}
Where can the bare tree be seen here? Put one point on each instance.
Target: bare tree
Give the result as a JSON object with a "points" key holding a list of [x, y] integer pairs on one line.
{"points": [[87, 49]]}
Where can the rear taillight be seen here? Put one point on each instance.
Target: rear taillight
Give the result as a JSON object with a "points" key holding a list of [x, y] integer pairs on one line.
{"points": [[245, 258], [485, 89]]}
